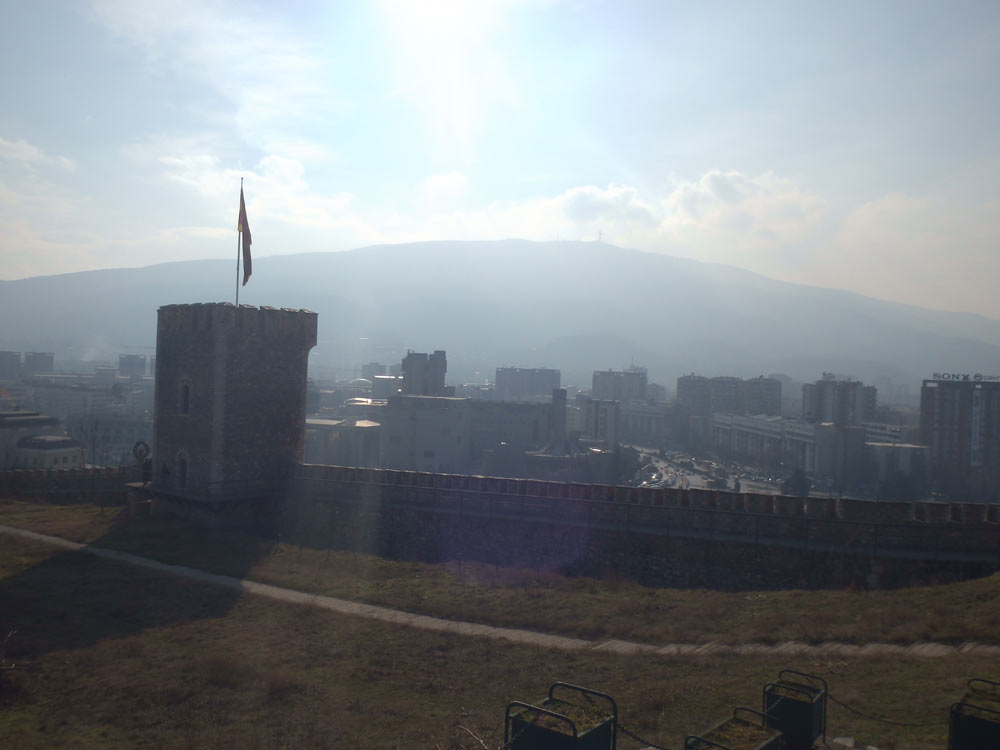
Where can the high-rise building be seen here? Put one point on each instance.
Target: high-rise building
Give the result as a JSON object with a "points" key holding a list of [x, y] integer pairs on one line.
{"points": [[725, 395], [642, 422], [960, 425], [656, 392], [426, 433], [38, 363], [10, 365], [843, 402], [423, 374], [694, 395], [701, 396], [615, 385], [519, 425], [525, 384], [599, 419], [762, 396]]}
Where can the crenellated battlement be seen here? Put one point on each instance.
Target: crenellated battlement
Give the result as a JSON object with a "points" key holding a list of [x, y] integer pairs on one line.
{"points": [[104, 486], [658, 536], [812, 508], [230, 397], [214, 316]]}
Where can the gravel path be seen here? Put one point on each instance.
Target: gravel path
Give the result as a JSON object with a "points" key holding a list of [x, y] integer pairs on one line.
{"points": [[545, 640]]}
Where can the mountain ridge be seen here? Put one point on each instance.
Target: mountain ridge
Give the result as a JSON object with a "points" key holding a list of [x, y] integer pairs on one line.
{"points": [[491, 302]]}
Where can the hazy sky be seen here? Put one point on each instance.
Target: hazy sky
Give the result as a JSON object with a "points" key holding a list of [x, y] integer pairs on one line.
{"points": [[845, 144]]}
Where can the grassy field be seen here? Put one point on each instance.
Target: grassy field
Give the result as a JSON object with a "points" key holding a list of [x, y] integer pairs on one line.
{"points": [[953, 613], [78, 523], [110, 656]]}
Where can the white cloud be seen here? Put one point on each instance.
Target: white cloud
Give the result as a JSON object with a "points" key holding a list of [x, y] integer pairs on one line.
{"points": [[723, 217], [51, 228], [152, 148], [615, 205], [920, 251], [272, 77], [441, 191], [285, 212], [276, 189], [719, 217], [26, 153], [724, 214], [916, 250], [304, 150], [42, 230], [447, 65]]}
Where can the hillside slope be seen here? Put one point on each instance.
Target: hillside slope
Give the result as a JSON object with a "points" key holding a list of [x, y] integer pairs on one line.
{"points": [[576, 306]]}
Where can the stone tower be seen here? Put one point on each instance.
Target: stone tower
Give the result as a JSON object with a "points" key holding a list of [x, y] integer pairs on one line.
{"points": [[230, 401]]}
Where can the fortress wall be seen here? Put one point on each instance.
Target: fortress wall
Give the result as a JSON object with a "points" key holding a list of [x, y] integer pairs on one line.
{"points": [[820, 508], [230, 397], [656, 536], [102, 486]]}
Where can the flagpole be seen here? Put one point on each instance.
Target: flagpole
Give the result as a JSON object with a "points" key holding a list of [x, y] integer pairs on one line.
{"points": [[238, 244]]}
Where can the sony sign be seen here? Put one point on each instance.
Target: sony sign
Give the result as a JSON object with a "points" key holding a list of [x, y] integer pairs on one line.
{"points": [[965, 377]]}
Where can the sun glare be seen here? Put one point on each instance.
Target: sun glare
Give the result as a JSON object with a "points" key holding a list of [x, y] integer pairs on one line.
{"points": [[445, 63]]}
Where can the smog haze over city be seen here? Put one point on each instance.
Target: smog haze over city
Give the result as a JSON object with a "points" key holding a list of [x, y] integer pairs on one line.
{"points": [[650, 346], [843, 145]]}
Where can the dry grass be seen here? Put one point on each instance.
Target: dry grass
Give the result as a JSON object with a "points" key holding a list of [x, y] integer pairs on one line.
{"points": [[613, 608], [118, 657], [78, 523]]}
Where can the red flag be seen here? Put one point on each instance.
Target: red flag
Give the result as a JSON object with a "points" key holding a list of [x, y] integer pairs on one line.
{"points": [[3, 392], [243, 227]]}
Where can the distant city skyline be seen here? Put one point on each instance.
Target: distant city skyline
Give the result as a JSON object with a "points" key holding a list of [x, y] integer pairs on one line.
{"points": [[852, 145]]}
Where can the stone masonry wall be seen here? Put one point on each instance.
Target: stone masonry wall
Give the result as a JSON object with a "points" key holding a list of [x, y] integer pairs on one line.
{"points": [[105, 486], [241, 425], [656, 536]]}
